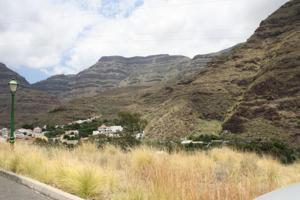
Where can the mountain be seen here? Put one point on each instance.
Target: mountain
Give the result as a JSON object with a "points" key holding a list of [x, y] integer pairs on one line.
{"points": [[6, 74], [270, 105], [116, 71], [250, 90], [30, 103]]}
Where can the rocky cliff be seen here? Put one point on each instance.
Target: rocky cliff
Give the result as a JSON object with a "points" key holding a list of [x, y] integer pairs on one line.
{"points": [[270, 105], [116, 71]]}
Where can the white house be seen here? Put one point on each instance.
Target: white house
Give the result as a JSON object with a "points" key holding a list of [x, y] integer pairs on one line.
{"points": [[4, 132], [110, 131], [37, 130], [72, 132], [104, 129], [115, 129], [69, 138], [140, 135], [19, 135], [24, 131], [96, 132], [69, 135]]}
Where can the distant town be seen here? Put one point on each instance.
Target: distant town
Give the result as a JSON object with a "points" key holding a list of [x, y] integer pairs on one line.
{"points": [[68, 137]]}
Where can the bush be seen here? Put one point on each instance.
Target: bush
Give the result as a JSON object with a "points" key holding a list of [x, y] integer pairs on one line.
{"points": [[28, 126], [132, 122], [41, 141], [274, 147], [125, 141], [204, 137]]}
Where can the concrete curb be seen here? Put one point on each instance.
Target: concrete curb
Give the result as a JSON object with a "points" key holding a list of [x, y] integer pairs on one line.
{"points": [[42, 188]]}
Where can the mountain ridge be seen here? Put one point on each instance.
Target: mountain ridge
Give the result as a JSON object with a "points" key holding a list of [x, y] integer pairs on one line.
{"points": [[224, 95], [118, 71], [30, 103]]}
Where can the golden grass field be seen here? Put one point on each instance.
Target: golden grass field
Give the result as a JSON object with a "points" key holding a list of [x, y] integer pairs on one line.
{"points": [[149, 174]]}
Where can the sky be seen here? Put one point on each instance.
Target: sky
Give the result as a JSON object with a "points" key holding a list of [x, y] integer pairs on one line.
{"points": [[40, 38]]}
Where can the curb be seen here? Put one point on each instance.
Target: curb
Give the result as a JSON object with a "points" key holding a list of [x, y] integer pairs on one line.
{"points": [[42, 188]]}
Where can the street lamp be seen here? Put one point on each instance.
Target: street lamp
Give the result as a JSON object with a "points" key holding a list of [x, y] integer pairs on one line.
{"points": [[13, 84]]}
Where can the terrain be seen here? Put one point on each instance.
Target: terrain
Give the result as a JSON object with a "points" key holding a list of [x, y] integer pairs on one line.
{"points": [[251, 90], [30, 103], [147, 173], [117, 72], [112, 72]]}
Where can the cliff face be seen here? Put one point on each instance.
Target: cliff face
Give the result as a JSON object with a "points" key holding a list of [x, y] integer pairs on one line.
{"points": [[116, 71], [29, 103]]}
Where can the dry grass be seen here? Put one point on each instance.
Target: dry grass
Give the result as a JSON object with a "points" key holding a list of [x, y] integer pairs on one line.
{"points": [[149, 174]]}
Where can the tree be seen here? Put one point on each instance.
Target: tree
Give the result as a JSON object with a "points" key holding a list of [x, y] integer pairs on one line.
{"points": [[28, 126], [132, 122]]}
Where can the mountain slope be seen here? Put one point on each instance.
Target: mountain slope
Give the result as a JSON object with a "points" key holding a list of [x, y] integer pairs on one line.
{"points": [[251, 90], [29, 103], [254, 88], [271, 104], [6, 74], [116, 71]]}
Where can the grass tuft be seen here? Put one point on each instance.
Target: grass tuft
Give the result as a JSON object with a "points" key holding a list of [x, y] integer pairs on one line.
{"points": [[145, 173]]}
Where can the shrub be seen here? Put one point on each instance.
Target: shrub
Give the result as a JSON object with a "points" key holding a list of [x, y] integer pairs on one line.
{"points": [[28, 126]]}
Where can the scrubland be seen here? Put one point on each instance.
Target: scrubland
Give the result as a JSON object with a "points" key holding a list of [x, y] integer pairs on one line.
{"points": [[149, 174]]}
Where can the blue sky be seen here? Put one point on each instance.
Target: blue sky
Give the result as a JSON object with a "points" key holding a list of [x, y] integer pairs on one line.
{"points": [[43, 38], [32, 75]]}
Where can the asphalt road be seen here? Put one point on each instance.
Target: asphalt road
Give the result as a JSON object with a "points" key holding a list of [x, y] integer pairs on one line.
{"points": [[10, 190]]}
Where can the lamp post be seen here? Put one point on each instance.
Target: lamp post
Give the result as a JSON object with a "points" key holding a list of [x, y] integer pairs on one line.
{"points": [[13, 84]]}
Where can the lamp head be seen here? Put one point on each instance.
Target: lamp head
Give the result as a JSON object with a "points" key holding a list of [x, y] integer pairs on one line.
{"points": [[13, 84]]}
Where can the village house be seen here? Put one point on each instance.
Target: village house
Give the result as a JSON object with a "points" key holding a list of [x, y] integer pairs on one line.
{"points": [[140, 136], [110, 131], [70, 137], [116, 129], [37, 132], [104, 129], [24, 131], [4, 132]]}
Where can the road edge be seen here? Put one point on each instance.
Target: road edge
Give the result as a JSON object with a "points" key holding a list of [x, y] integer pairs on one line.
{"points": [[37, 186]]}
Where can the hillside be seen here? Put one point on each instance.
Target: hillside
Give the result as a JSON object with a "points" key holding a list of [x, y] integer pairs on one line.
{"points": [[30, 103], [251, 90], [115, 71], [270, 106], [6, 74]]}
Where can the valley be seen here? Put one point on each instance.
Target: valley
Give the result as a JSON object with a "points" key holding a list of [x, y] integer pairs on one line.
{"points": [[250, 90]]}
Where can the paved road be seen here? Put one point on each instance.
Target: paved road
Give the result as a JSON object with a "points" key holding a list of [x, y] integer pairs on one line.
{"points": [[10, 190]]}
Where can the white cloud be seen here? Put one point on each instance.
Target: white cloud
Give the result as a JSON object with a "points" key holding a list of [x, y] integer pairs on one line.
{"points": [[66, 36]]}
